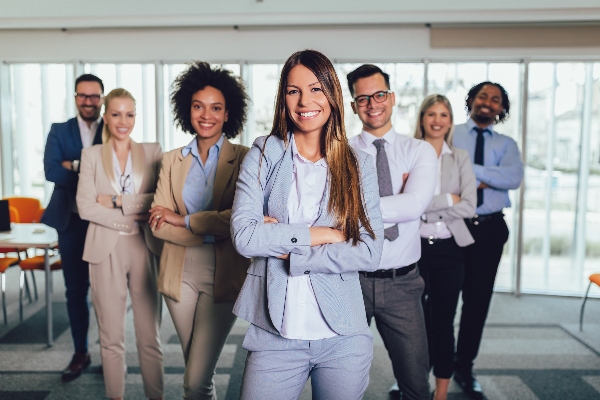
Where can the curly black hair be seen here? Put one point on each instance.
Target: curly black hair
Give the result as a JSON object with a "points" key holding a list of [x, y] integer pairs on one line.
{"points": [[196, 77], [505, 102]]}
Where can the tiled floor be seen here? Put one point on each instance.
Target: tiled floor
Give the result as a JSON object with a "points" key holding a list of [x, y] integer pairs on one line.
{"points": [[532, 349]]}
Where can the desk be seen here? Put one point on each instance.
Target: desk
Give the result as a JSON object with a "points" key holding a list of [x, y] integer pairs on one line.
{"points": [[39, 236]]}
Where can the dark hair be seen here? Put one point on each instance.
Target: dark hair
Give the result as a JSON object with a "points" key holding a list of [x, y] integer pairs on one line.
{"points": [[198, 76], [505, 102], [345, 191], [89, 78], [365, 71]]}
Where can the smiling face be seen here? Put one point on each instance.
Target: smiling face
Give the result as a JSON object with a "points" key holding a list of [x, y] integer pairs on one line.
{"points": [[88, 108], [376, 117], [119, 117], [436, 122], [305, 102], [486, 105], [208, 114]]}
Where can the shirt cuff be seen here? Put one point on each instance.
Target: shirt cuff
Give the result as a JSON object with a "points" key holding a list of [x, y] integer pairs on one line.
{"points": [[449, 199], [187, 222]]}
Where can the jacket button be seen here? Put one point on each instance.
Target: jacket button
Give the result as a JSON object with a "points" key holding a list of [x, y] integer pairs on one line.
{"points": [[294, 240], [306, 272]]}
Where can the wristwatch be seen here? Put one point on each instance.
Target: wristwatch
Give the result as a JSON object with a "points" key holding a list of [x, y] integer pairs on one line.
{"points": [[75, 165], [114, 201]]}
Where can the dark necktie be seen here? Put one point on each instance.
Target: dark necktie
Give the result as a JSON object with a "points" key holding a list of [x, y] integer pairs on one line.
{"points": [[384, 179], [479, 158]]}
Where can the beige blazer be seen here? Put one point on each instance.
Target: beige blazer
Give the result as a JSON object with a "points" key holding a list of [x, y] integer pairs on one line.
{"points": [[457, 178], [230, 268], [97, 177]]}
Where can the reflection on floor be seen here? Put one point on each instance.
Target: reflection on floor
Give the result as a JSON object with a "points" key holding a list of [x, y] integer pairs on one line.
{"points": [[532, 349]]}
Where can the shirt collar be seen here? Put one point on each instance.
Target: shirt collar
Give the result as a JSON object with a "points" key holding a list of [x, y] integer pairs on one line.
{"points": [[471, 124], [192, 147], [320, 163], [446, 149], [81, 122], [369, 138]]}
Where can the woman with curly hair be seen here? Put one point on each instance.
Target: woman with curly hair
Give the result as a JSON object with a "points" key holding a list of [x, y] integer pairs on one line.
{"points": [[200, 272]]}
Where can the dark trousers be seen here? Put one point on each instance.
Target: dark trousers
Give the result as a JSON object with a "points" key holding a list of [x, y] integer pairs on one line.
{"points": [[77, 280], [396, 305], [442, 267], [481, 264]]}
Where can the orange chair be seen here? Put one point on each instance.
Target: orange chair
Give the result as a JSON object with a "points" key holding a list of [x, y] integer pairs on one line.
{"points": [[28, 208], [35, 263], [594, 278]]}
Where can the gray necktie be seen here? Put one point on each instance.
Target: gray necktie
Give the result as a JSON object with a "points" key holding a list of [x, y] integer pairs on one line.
{"points": [[385, 183]]}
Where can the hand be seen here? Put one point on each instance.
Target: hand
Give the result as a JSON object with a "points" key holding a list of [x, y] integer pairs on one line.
{"points": [[160, 215], [324, 235], [270, 220], [404, 179], [284, 256], [67, 164], [455, 198], [483, 186], [106, 200]]}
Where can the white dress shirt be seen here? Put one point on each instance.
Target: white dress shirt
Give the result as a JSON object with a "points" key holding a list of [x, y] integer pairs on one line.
{"points": [[417, 158], [439, 229], [302, 317], [86, 132], [125, 182]]}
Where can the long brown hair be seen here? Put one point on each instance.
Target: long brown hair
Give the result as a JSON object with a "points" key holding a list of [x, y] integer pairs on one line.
{"points": [[115, 93], [345, 194]]}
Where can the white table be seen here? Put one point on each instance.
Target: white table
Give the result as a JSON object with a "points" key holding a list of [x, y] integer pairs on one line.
{"points": [[39, 236]]}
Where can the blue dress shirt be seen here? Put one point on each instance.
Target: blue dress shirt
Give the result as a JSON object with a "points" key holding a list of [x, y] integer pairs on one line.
{"points": [[502, 169], [200, 182]]}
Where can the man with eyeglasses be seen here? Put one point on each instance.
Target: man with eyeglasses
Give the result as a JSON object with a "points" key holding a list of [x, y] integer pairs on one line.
{"points": [[406, 172], [61, 166]]}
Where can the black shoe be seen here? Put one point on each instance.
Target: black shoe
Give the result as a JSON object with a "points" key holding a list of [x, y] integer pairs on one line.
{"points": [[395, 392], [469, 384], [79, 362]]}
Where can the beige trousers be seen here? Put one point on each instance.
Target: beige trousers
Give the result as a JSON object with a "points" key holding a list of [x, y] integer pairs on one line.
{"points": [[202, 325], [131, 266]]}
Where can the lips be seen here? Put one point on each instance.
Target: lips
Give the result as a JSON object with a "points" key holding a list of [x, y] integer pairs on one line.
{"points": [[308, 114]]}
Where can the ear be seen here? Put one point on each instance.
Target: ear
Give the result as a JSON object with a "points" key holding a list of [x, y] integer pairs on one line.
{"points": [[354, 108], [104, 117], [393, 96], [226, 116]]}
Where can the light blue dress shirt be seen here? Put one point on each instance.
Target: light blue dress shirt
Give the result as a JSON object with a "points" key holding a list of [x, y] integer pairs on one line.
{"points": [[200, 182], [502, 169]]}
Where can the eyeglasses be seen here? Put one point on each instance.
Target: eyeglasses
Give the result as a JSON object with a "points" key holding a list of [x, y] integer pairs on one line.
{"points": [[125, 181], [93, 97], [379, 97]]}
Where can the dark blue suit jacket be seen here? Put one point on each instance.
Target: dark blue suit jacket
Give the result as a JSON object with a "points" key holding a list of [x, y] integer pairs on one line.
{"points": [[63, 143]]}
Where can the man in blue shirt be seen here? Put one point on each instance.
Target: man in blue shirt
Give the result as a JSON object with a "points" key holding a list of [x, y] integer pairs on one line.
{"points": [[498, 168]]}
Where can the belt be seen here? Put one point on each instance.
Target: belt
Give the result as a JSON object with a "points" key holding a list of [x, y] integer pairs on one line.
{"points": [[389, 273], [478, 219], [431, 240]]}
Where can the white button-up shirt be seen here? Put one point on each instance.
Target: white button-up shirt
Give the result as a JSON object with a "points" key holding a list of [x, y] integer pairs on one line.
{"points": [[302, 317], [438, 229], [125, 182], [86, 132], [418, 159]]}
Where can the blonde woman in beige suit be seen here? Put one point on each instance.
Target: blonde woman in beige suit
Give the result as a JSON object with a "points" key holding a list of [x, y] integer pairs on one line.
{"points": [[200, 272], [116, 187]]}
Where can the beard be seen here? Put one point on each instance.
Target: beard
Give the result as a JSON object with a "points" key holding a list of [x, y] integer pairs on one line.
{"points": [[483, 119]]}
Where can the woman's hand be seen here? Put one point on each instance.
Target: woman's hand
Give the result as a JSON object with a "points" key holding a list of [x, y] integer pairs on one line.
{"points": [[324, 235], [455, 198], [270, 220], [160, 215], [106, 200]]}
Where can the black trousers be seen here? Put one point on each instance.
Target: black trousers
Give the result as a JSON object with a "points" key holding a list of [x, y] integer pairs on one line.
{"points": [[441, 266], [481, 264]]}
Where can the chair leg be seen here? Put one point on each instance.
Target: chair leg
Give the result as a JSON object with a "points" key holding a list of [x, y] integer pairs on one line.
{"points": [[21, 279], [27, 288], [583, 307], [3, 285], [35, 292]]}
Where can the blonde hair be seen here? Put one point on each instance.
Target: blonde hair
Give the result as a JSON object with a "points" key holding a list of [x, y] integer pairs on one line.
{"points": [[428, 102], [114, 94]]}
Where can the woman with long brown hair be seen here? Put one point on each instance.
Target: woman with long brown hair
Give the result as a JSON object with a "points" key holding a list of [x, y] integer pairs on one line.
{"points": [[306, 210]]}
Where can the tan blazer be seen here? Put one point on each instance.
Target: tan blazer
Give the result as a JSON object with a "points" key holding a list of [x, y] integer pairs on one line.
{"points": [[97, 177], [230, 268]]}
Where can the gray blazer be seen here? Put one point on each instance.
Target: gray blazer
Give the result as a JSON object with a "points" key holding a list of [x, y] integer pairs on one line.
{"points": [[457, 178], [332, 268]]}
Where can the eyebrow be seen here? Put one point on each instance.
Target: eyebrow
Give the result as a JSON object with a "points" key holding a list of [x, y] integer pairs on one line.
{"points": [[315, 83], [198, 101]]}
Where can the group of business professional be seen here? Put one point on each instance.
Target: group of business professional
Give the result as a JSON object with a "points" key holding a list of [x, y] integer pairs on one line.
{"points": [[307, 235]]}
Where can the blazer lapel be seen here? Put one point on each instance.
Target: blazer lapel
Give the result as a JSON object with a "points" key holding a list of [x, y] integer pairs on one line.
{"points": [[224, 172], [280, 190], [323, 218], [446, 171], [107, 163], [138, 160], [179, 174], [76, 134], [98, 135]]}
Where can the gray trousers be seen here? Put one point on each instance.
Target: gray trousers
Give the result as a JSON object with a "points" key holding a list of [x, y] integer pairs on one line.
{"points": [[278, 370], [396, 305]]}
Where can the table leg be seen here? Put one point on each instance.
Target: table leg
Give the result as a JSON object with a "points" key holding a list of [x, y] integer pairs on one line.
{"points": [[48, 296]]}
